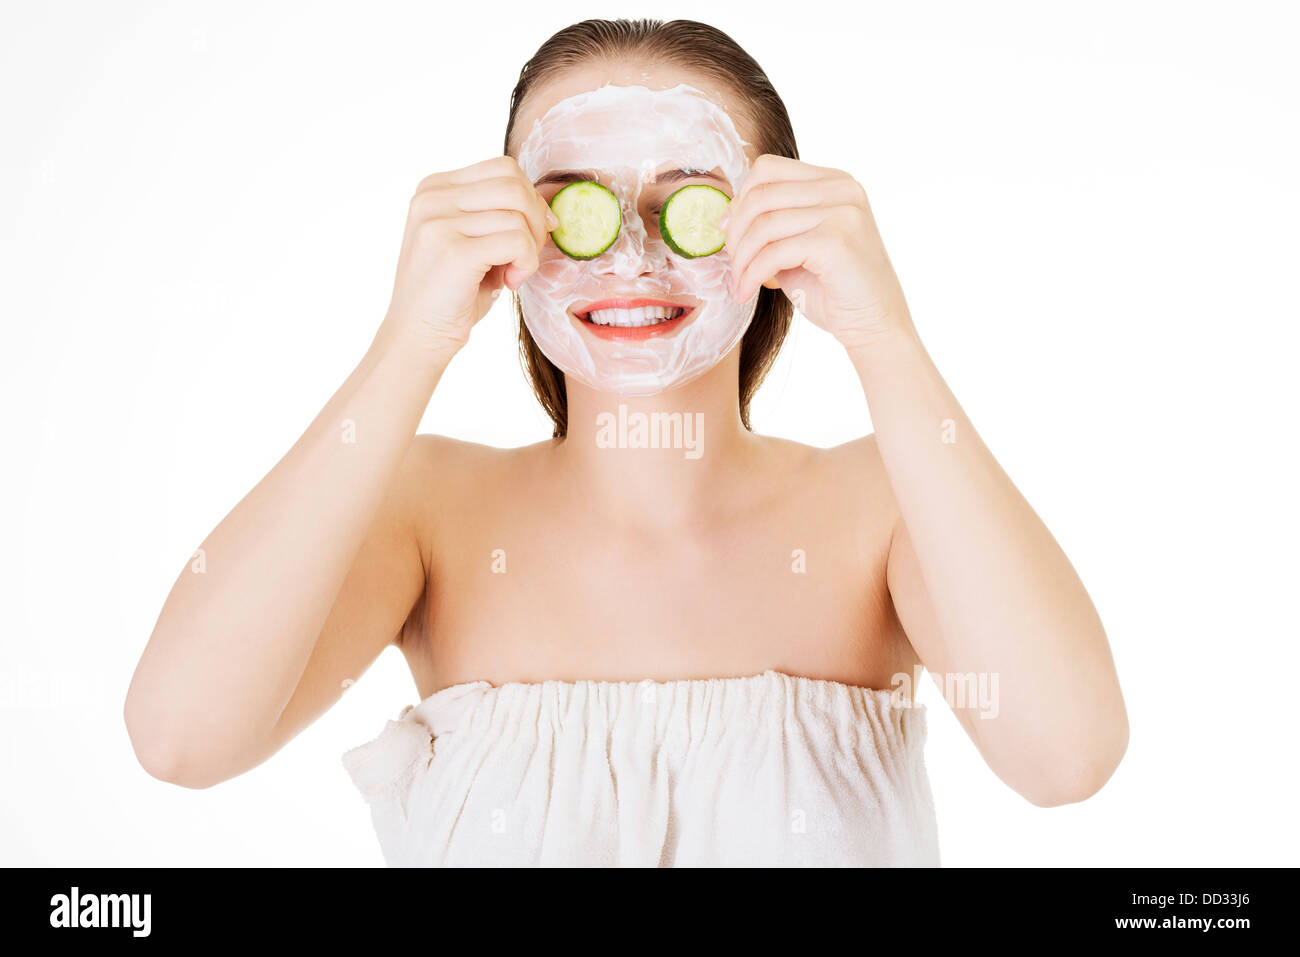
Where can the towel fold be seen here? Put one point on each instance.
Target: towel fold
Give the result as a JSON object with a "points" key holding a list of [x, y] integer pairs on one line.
{"points": [[765, 770]]}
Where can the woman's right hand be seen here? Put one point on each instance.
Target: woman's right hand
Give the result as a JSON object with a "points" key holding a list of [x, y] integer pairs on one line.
{"points": [[468, 232]]}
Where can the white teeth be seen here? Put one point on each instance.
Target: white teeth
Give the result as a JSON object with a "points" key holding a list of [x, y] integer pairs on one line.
{"points": [[644, 316]]}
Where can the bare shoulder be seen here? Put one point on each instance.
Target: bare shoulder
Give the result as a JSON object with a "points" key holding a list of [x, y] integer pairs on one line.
{"points": [[444, 474], [441, 455], [862, 450], [858, 463], [860, 454], [849, 475], [444, 459]]}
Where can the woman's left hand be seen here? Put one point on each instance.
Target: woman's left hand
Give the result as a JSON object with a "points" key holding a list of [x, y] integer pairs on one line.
{"points": [[808, 230]]}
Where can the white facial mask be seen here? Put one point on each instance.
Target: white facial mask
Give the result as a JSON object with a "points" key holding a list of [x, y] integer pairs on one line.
{"points": [[627, 134]]}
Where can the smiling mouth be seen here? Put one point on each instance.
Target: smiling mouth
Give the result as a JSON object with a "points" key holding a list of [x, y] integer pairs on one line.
{"points": [[632, 318]]}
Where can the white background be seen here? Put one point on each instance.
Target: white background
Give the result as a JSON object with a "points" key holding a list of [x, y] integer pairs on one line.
{"points": [[1093, 209]]}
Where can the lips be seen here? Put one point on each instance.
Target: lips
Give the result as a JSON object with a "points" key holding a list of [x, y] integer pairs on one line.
{"points": [[581, 311]]}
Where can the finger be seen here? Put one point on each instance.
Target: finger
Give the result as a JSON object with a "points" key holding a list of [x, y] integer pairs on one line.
{"points": [[770, 226], [513, 248], [506, 192], [742, 212], [440, 200], [788, 253], [545, 216], [492, 166], [770, 168], [489, 168], [488, 221], [540, 211]]}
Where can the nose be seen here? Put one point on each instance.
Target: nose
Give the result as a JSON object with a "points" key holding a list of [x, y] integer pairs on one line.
{"points": [[633, 254]]}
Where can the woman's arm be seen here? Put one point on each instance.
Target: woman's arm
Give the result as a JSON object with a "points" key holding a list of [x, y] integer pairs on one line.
{"points": [[315, 571], [239, 625], [983, 590], [980, 585]]}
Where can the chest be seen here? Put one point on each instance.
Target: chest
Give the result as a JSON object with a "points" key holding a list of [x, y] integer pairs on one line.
{"points": [[528, 593]]}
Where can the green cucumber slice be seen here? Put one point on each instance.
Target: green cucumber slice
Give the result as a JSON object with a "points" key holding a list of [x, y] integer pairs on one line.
{"points": [[688, 221], [589, 219]]}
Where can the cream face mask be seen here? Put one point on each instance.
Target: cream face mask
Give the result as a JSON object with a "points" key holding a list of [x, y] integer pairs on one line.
{"points": [[627, 138]]}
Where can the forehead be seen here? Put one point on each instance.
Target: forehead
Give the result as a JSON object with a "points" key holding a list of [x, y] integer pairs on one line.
{"points": [[630, 115], [590, 76]]}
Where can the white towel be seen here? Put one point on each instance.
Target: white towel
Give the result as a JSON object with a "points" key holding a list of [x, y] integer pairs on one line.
{"points": [[765, 770]]}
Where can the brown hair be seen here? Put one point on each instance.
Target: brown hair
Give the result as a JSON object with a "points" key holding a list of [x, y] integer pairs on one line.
{"points": [[708, 52]]}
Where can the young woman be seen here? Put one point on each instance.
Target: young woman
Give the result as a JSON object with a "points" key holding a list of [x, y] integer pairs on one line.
{"points": [[624, 654]]}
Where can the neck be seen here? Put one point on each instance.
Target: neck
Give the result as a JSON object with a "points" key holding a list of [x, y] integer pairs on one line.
{"points": [[659, 461]]}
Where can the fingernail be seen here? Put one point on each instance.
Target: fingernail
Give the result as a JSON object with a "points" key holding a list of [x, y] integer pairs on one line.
{"points": [[723, 221], [551, 219]]}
